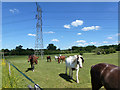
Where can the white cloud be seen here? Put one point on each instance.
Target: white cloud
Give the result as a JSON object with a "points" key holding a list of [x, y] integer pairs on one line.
{"points": [[67, 26], [91, 28], [14, 10], [55, 40], [82, 44], [50, 32], [77, 23], [79, 33], [81, 41], [93, 43], [105, 41], [109, 37], [31, 34]]}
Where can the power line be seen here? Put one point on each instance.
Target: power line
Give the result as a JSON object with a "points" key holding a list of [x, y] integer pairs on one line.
{"points": [[20, 21], [80, 12]]}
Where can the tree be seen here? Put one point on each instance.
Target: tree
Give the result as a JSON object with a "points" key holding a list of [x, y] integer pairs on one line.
{"points": [[19, 47], [118, 47], [58, 49], [75, 48], [51, 47], [90, 48], [19, 50]]}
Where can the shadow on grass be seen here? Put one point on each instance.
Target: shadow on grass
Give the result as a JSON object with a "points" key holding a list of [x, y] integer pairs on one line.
{"points": [[29, 69], [66, 77]]}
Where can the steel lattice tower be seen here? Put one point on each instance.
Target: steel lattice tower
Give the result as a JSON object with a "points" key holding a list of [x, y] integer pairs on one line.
{"points": [[39, 37]]}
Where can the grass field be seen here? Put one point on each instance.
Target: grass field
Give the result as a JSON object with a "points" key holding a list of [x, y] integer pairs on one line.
{"points": [[51, 74]]}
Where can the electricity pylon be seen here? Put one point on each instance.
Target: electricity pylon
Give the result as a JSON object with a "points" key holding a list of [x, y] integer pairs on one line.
{"points": [[39, 37]]}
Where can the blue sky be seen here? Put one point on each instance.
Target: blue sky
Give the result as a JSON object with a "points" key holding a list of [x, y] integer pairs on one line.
{"points": [[64, 24]]}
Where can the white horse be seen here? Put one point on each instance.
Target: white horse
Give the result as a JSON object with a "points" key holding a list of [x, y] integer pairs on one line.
{"points": [[56, 57], [74, 63]]}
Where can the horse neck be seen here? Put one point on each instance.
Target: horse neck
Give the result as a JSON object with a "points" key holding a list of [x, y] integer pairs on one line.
{"points": [[75, 63]]}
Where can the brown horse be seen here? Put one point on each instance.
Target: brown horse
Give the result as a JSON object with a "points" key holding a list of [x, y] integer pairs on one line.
{"points": [[32, 59], [61, 58], [106, 75], [48, 58]]}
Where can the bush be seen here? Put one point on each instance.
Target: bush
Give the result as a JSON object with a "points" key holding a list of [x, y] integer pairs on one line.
{"points": [[98, 53], [81, 52], [107, 51], [103, 52]]}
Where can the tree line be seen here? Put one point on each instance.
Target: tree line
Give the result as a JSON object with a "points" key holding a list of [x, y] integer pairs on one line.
{"points": [[52, 49]]}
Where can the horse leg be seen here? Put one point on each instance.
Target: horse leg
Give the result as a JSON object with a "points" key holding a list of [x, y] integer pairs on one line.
{"points": [[95, 81], [70, 72], [96, 84], [63, 60], [33, 67], [47, 60], [77, 76], [66, 70]]}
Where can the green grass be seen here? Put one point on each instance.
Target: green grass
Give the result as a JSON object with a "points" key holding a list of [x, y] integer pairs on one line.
{"points": [[47, 74]]}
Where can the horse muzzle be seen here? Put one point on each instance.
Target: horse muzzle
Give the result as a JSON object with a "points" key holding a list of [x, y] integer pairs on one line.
{"points": [[80, 66]]}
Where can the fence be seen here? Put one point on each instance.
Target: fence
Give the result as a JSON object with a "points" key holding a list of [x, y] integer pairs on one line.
{"points": [[36, 86]]}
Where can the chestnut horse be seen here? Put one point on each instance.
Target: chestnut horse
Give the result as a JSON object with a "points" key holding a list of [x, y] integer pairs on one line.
{"points": [[33, 60], [61, 58], [106, 75], [48, 58]]}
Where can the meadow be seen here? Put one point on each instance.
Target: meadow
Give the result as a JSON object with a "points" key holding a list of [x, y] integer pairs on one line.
{"points": [[52, 74]]}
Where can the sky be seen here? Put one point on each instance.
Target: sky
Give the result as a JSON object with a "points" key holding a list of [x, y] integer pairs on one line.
{"points": [[65, 24]]}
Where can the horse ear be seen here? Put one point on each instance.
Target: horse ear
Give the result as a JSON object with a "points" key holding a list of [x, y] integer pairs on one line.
{"points": [[82, 59]]}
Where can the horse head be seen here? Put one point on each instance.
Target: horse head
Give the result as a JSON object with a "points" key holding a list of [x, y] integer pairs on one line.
{"points": [[80, 60]]}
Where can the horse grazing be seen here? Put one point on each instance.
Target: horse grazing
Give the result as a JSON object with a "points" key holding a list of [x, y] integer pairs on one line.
{"points": [[48, 58], [32, 59], [74, 63], [61, 58], [106, 75]]}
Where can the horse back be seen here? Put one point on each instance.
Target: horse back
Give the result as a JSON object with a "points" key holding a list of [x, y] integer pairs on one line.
{"points": [[48, 57], [111, 77], [62, 57], [107, 75]]}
